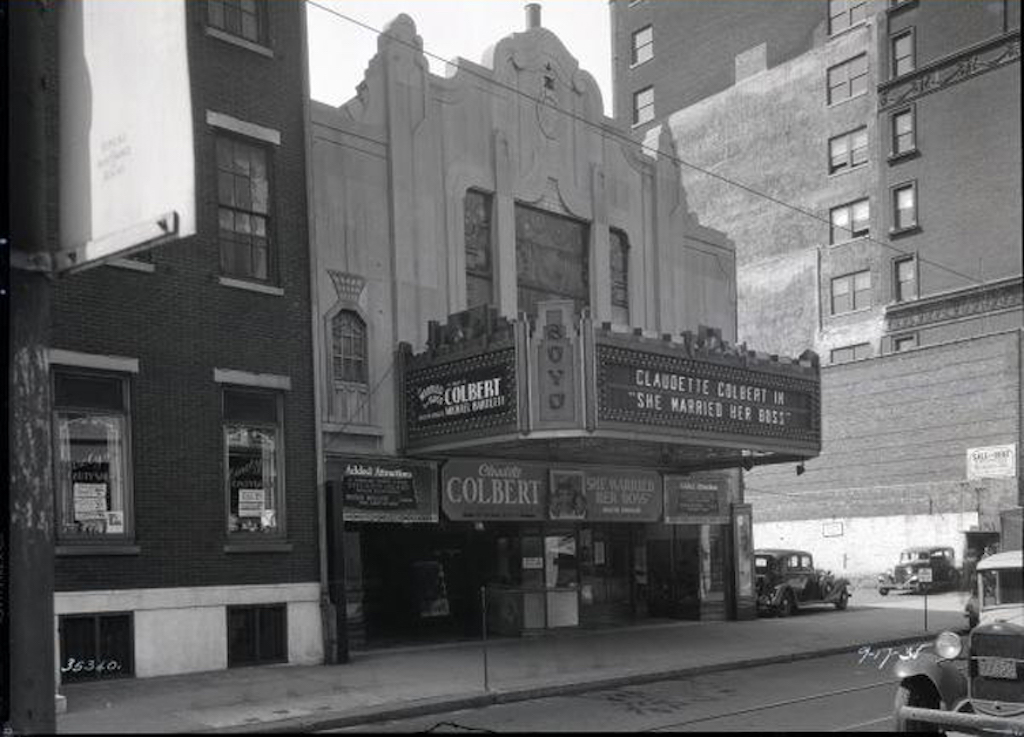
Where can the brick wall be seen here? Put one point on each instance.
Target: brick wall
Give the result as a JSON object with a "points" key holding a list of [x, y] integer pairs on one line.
{"points": [[696, 44], [181, 324], [895, 434]]}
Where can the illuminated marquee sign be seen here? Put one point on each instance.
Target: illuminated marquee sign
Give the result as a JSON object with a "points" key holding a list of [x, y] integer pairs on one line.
{"points": [[560, 379], [640, 387], [462, 396]]}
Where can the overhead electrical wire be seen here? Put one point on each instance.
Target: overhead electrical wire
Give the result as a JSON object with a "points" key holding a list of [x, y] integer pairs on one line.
{"points": [[606, 132]]}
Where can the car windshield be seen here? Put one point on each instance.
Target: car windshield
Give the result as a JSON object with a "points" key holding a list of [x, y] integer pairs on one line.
{"points": [[1002, 587], [761, 563], [908, 555]]}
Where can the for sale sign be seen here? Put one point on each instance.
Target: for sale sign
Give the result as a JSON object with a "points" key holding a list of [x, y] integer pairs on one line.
{"points": [[994, 461]]}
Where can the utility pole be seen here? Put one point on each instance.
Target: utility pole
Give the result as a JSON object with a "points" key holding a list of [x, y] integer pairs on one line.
{"points": [[30, 685]]}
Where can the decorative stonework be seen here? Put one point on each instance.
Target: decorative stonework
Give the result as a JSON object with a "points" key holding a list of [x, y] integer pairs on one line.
{"points": [[348, 286], [548, 115], [968, 303], [946, 72]]}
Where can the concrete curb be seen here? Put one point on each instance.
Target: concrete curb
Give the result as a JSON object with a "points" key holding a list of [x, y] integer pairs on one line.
{"points": [[443, 704]]}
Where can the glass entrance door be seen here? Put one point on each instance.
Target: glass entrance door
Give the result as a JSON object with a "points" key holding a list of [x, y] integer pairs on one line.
{"points": [[606, 571], [562, 576]]}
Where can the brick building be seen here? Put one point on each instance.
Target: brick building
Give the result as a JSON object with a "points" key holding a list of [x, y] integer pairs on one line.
{"points": [[184, 444], [891, 132]]}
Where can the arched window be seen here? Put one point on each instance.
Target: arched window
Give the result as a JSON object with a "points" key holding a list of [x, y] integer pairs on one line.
{"points": [[348, 333], [350, 400]]}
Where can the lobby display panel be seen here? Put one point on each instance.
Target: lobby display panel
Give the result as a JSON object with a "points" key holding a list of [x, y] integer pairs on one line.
{"points": [[494, 490]]}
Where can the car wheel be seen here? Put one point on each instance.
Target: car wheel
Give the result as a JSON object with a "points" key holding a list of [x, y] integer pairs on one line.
{"points": [[919, 695], [844, 599], [884, 592], [788, 607]]}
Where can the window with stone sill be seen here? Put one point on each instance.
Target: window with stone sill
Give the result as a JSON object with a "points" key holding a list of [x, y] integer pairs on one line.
{"points": [[849, 221], [91, 437], [844, 14], [904, 204], [906, 279], [903, 53], [643, 46], [848, 79], [245, 19], [851, 353], [643, 106], [848, 150], [244, 206], [253, 461], [904, 343], [851, 292], [904, 139]]}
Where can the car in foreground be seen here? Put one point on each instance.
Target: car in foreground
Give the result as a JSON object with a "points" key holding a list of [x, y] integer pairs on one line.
{"points": [[905, 575], [788, 581], [972, 684]]}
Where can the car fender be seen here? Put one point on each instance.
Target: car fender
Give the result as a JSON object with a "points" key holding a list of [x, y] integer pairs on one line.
{"points": [[839, 586], [943, 675]]}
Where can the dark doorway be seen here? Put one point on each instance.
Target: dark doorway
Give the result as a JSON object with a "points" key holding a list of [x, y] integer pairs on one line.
{"points": [[673, 571], [423, 585], [606, 574]]}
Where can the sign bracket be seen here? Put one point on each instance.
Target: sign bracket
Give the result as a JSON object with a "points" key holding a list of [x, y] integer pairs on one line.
{"points": [[121, 244]]}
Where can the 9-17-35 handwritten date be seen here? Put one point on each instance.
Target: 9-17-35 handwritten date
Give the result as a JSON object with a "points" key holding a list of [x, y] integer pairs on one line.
{"points": [[910, 652]]}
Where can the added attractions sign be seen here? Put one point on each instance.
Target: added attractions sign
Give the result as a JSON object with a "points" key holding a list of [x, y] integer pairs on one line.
{"points": [[389, 491]]}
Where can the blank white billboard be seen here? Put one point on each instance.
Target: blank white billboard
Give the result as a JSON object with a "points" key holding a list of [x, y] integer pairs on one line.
{"points": [[127, 178]]}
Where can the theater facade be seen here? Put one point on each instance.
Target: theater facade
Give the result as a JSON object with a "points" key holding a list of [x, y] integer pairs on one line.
{"points": [[531, 407]]}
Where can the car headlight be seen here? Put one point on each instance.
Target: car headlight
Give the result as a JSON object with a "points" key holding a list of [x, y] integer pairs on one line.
{"points": [[948, 645]]}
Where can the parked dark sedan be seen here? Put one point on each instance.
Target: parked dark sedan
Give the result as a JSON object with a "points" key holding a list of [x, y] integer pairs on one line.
{"points": [[787, 581], [905, 576]]}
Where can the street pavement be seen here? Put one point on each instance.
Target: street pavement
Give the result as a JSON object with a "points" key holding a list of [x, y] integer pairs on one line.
{"points": [[402, 682], [835, 693]]}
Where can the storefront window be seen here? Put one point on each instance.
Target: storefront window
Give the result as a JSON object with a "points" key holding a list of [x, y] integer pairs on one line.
{"points": [[252, 448], [90, 420]]}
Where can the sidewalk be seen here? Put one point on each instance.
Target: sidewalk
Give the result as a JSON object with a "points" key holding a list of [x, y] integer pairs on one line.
{"points": [[393, 683]]}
